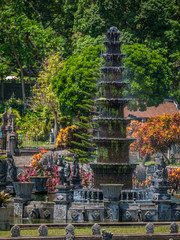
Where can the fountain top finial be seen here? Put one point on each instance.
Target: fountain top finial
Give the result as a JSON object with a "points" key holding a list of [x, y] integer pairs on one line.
{"points": [[113, 33]]}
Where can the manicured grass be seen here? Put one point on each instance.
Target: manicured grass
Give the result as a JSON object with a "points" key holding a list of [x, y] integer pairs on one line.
{"points": [[29, 143], [88, 231]]}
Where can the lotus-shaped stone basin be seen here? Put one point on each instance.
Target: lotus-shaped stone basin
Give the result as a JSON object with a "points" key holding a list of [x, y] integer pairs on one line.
{"points": [[111, 192]]}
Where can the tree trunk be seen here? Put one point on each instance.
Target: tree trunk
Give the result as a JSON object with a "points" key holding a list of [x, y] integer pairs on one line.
{"points": [[21, 69], [23, 89], [55, 125], [146, 157]]}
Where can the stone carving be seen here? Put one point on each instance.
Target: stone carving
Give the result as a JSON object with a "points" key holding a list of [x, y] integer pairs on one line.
{"points": [[160, 181], [148, 215], [109, 213], [63, 170], [174, 228], [177, 214], [69, 236], [34, 213], [70, 197], [74, 214], [75, 179], [15, 231], [96, 229], [149, 228], [18, 209], [46, 214], [75, 168], [46, 199], [96, 215], [43, 230], [47, 161], [12, 170], [128, 215], [106, 235], [60, 197], [59, 212], [3, 170], [70, 229]]}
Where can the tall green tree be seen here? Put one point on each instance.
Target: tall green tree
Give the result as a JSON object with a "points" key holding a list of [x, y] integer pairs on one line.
{"points": [[24, 41], [149, 75], [43, 95], [76, 82]]}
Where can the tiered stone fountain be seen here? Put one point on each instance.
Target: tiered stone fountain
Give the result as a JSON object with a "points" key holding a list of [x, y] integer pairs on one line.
{"points": [[112, 165]]}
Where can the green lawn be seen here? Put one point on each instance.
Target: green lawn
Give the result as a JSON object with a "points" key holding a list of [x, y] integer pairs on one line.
{"points": [[87, 231]]}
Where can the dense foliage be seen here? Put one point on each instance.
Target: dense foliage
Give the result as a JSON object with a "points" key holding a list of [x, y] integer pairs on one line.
{"points": [[59, 41], [156, 135]]}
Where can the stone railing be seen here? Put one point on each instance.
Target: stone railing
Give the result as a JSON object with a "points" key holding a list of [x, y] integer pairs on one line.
{"points": [[136, 195], [88, 195], [96, 195]]}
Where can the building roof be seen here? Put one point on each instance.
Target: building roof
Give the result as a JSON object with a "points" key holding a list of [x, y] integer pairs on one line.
{"points": [[166, 107]]}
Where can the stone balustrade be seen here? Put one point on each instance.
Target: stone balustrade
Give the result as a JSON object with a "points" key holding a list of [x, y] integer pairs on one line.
{"points": [[136, 195], [88, 195], [96, 195]]}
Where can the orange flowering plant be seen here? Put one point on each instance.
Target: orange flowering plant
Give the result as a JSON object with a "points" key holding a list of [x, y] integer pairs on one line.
{"points": [[138, 184], [174, 178], [65, 137], [156, 135]]}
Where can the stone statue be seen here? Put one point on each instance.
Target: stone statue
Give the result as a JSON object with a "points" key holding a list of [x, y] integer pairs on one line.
{"points": [[106, 235], [12, 170], [43, 230], [60, 164], [15, 231], [70, 229], [47, 161], [63, 170], [67, 172], [76, 179], [96, 229], [34, 212], [174, 228], [75, 168], [150, 228], [3, 170]]}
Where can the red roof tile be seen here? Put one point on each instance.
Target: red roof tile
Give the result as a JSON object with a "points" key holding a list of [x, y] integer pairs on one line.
{"points": [[166, 107]]}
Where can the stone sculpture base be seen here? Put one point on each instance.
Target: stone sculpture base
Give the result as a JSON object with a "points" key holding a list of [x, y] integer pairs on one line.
{"points": [[63, 199], [81, 212]]}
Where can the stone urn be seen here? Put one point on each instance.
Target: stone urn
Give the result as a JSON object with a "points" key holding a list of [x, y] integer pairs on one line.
{"points": [[111, 192], [4, 217], [39, 184], [23, 189]]}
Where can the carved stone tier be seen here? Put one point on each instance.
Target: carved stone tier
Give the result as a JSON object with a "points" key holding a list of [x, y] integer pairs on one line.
{"points": [[113, 150], [112, 128], [113, 58], [111, 141], [112, 107], [108, 173], [117, 83], [112, 69]]}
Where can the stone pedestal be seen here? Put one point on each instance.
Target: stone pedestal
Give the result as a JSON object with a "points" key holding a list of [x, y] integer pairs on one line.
{"points": [[63, 199], [19, 204], [81, 212], [4, 217], [164, 212], [112, 211], [40, 209]]}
